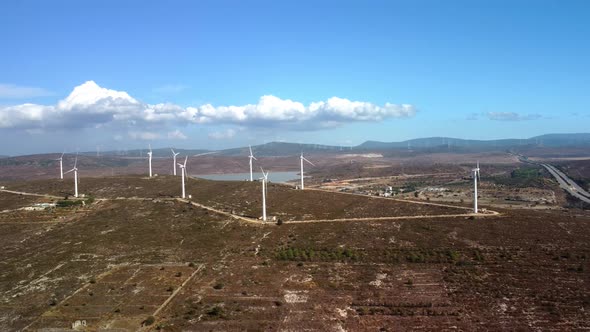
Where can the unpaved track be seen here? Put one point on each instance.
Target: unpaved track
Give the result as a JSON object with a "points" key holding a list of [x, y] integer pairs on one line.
{"points": [[489, 213], [478, 215], [177, 290], [250, 220], [400, 200], [31, 194]]}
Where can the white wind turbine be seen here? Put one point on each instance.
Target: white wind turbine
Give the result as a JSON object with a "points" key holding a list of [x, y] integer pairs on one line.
{"points": [[302, 159], [251, 156], [150, 159], [174, 154], [61, 166], [183, 171], [264, 191], [75, 170], [475, 172]]}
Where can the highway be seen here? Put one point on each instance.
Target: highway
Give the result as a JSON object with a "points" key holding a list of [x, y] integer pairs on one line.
{"points": [[569, 181], [564, 181], [568, 184]]}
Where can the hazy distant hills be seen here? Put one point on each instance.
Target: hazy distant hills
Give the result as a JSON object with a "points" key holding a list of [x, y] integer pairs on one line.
{"points": [[160, 152], [419, 145], [549, 140], [430, 144]]}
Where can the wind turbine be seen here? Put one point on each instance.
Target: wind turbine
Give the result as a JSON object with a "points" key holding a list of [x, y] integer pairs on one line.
{"points": [[174, 154], [475, 172], [61, 166], [302, 159], [264, 184], [183, 170], [150, 159], [75, 170], [251, 156]]}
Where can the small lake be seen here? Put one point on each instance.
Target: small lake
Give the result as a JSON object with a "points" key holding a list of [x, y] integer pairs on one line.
{"points": [[272, 177]]}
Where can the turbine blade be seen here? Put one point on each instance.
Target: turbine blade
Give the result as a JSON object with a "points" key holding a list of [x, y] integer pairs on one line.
{"points": [[249, 147], [62, 155], [205, 153], [75, 162], [185, 160], [254, 158], [265, 175], [172, 150], [69, 171], [308, 161]]}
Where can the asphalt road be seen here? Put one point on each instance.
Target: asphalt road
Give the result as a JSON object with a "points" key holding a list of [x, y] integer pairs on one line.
{"points": [[568, 184]]}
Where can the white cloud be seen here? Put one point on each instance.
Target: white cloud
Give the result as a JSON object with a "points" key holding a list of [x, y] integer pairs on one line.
{"points": [[11, 91], [90, 105], [511, 116], [177, 134], [226, 134]]}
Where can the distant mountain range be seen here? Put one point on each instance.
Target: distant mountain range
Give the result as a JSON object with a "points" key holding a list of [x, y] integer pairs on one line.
{"points": [[549, 140], [430, 144]]}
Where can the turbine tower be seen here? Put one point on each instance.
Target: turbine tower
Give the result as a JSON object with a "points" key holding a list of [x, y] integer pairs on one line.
{"points": [[150, 159], [75, 170], [61, 166], [251, 156], [475, 172], [183, 171], [303, 159], [264, 184], [174, 154]]}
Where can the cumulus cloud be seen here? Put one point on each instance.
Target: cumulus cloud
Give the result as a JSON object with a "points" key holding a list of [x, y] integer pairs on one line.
{"points": [[11, 91], [511, 116], [177, 134], [226, 134], [90, 105]]}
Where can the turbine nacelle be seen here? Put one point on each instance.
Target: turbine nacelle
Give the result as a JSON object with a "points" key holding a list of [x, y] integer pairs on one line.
{"points": [[74, 168], [264, 175], [183, 166], [251, 156]]}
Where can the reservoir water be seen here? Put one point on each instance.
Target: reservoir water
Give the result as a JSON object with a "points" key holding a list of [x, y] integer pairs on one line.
{"points": [[272, 177]]}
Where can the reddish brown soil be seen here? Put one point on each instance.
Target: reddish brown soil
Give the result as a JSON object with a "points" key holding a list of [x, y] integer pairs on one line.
{"points": [[244, 198], [524, 270]]}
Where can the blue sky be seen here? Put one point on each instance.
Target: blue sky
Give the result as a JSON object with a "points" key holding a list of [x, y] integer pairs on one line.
{"points": [[467, 69]]}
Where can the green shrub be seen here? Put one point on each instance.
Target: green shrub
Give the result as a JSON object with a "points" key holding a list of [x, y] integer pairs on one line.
{"points": [[149, 321], [68, 203]]}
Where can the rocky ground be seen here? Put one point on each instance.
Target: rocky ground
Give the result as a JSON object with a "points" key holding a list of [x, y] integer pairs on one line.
{"points": [[161, 264]]}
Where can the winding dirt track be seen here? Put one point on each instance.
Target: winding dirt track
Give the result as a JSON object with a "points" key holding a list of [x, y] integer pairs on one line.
{"points": [[259, 222], [29, 194]]}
